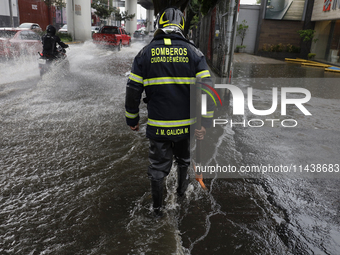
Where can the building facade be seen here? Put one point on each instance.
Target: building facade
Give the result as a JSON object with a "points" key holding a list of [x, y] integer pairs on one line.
{"points": [[9, 13], [326, 15], [279, 23], [31, 11], [36, 11], [251, 14]]}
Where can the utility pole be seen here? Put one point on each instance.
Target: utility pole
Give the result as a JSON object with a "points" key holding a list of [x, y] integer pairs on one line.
{"points": [[11, 13]]}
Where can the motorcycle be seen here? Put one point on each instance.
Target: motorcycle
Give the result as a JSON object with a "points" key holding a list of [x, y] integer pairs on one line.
{"points": [[46, 62]]}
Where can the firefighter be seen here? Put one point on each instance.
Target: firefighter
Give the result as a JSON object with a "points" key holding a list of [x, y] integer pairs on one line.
{"points": [[165, 69]]}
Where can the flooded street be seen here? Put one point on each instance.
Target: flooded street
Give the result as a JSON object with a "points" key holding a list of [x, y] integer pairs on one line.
{"points": [[73, 176]]}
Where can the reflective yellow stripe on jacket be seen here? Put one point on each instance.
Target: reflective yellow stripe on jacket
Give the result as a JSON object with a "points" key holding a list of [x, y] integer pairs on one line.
{"points": [[136, 78], [171, 123], [169, 80], [203, 74], [208, 115], [131, 115]]}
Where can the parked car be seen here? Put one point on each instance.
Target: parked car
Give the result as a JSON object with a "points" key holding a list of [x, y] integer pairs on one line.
{"points": [[112, 36], [14, 42], [5, 35], [63, 29], [139, 34], [30, 26]]}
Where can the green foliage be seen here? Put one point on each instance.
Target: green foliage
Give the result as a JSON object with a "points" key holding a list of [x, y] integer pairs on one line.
{"points": [[195, 20], [240, 48], [58, 3], [124, 16], [242, 30], [307, 35], [192, 18], [104, 11], [280, 48], [311, 55], [292, 48], [206, 5], [65, 37]]}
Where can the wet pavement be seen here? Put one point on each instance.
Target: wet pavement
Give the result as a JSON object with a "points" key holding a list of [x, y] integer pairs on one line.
{"points": [[73, 176], [249, 58]]}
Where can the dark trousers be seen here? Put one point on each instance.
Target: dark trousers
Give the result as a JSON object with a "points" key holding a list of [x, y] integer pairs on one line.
{"points": [[162, 153]]}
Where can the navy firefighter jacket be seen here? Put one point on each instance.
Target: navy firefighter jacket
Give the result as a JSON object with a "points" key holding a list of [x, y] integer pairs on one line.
{"points": [[166, 69]]}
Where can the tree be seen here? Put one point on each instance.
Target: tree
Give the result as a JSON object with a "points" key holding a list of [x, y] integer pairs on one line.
{"points": [[206, 5], [124, 15], [192, 17], [242, 30], [103, 11], [308, 37], [58, 3]]}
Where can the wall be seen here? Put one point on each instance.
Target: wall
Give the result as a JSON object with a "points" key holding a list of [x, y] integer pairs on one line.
{"points": [[131, 7], [326, 14], [321, 12], [34, 11], [79, 19], [250, 13], [275, 32], [335, 44], [322, 29], [5, 13], [215, 36]]}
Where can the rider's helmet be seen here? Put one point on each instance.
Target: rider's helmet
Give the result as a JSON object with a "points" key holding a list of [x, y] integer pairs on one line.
{"points": [[50, 29], [171, 20]]}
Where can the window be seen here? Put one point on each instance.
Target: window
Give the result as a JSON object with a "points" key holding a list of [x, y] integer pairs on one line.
{"points": [[7, 34], [110, 30], [28, 35], [284, 9]]}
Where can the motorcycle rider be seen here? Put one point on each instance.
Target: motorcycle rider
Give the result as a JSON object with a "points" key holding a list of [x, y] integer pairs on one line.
{"points": [[165, 69], [49, 41]]}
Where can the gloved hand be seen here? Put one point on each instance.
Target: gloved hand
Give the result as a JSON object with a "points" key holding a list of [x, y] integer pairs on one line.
{"points": [[200, 133]]}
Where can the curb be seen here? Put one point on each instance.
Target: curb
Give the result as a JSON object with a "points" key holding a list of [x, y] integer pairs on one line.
{"points": [[76, 42]]}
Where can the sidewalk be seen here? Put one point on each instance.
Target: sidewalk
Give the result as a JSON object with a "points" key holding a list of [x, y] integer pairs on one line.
{"points": [[74, 42], [248, 58], [245, 58]]}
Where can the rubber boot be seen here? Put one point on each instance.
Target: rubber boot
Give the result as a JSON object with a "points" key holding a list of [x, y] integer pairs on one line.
{"points": [[183, 180], [157, 197]]}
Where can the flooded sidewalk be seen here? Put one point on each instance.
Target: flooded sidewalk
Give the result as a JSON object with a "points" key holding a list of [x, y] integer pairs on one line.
{"points": [[253, 59]]}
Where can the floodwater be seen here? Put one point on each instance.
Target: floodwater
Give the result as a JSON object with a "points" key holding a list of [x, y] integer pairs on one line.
{"points": [[73, 175]]}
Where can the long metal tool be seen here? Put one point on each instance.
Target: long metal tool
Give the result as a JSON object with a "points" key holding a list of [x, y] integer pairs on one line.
{"points": [[198, 175]]}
